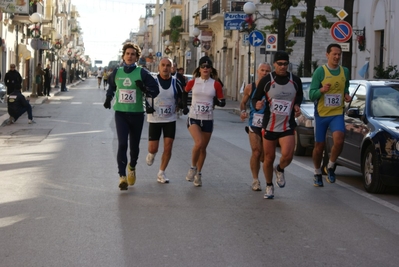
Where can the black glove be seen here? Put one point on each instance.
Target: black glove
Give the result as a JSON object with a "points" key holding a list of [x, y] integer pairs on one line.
{"points": [[217, 102], [141, 86], [107, 103], [185, 110]]}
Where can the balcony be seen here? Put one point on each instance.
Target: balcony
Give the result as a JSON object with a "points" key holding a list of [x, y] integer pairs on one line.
{"points": [[176, 3], [213, 13]]}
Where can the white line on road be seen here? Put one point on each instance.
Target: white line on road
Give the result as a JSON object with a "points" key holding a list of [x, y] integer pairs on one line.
{"points": [[353, 189]]}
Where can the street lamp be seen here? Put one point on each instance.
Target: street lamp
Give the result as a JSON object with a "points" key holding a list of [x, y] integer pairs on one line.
{"points": [[249, 9], [196, 33]]}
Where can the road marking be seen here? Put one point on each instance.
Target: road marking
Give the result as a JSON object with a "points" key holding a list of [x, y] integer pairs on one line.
{"points": [[351, 188], [76, 103]]}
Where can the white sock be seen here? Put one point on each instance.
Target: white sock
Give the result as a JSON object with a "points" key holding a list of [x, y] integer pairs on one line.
{"points": [[330, 164], [317, 171]]}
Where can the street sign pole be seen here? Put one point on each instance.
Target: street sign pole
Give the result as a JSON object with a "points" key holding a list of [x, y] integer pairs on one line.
{"points": [[249, 62]]}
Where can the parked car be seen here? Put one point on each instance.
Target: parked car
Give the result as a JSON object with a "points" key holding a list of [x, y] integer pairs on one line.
{"points": [[371, 134], [304, 133]]}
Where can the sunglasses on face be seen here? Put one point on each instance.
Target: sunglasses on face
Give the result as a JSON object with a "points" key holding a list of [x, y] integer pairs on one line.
{"points": [[203, 66], [282, 63]]}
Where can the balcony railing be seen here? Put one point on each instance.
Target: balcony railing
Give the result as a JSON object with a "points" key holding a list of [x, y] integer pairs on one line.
{"points": [[204, 12], [215, 7]]}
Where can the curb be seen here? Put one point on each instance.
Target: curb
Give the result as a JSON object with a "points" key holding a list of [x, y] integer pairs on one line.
{"points": [[35, 101]]}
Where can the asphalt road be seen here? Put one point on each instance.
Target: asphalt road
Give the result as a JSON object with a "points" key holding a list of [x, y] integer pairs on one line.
{"points": [[60, 204]]}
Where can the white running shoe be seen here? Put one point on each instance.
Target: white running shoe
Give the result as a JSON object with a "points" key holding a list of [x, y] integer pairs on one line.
{"points": [[150, 159], [256, 185], [162, 178], [269, 192], [280, 180], [191, 173], [31, 121], [197, 180]]}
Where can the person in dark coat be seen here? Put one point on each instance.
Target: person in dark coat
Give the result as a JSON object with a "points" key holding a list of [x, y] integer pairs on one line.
{"points": [[63, 80], [12, 80], [47, 80], [18, 105]]}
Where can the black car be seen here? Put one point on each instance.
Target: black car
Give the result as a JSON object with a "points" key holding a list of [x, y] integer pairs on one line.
{"points": [[371, 135]]}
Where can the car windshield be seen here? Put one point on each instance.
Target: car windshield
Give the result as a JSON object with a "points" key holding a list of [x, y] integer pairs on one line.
{"points": [[385, 101], [306, 87]]}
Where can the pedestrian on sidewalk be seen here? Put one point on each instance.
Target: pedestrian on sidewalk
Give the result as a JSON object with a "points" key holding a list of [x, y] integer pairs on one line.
{"points": [[280, 93], [13, 80], [204, 87], [254, 128], [163, 119], [47, 80], [129, 84], [18, 105], [39, 72], [63, 79]]}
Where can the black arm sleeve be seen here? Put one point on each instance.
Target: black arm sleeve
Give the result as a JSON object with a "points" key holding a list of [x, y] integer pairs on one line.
{"points": [[299, 90], [150, 83]]}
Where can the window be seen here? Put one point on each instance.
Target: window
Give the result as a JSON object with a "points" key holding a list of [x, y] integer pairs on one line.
{"points": [[300, 30]]}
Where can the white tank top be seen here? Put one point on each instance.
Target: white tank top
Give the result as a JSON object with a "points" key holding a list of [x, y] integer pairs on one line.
{"points": [[164, 104], [203, 92]]}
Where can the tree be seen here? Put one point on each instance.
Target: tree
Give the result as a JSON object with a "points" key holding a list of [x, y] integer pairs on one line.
{"points": [[347, 56], [282, 6], [310, 6]]}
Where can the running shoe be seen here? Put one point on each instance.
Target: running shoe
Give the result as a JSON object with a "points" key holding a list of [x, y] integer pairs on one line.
{"points": [[11, 120], [256, 185], [31, 121], [131, 175], [318, 180], [191, 173], [269, 194], [150, 159], [162, 178], [330, 175], [123, 183], [197, 180], [280, 180]]}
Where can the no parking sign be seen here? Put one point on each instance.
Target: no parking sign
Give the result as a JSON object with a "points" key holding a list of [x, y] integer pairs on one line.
{"points": [[341, 31], [271, 42]]}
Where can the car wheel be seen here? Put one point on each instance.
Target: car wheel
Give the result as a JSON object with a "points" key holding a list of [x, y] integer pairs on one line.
{"points": [[299, 150], [371, 178]]}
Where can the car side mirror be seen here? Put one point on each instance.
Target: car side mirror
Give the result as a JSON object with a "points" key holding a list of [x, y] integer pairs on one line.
{"points": [[354, 113]]}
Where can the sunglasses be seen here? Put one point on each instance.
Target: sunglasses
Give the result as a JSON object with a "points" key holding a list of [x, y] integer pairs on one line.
{"points": [[282, 63], [203, 66]]}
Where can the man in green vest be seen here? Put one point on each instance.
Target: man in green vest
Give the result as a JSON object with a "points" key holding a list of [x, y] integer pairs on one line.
{"points": [[129, 84], [329, 90]]}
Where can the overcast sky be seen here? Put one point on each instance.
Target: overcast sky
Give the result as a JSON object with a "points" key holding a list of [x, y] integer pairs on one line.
{"points": [[106, 24]]}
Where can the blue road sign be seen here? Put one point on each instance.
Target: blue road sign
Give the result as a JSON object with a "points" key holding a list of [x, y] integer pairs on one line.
{"points": [[158, 54], [256, 38]]}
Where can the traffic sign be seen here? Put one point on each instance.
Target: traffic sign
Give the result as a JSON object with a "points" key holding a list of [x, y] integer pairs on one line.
{"points": [[271, 42], [158, 54], [341, 31], [256, 38]]}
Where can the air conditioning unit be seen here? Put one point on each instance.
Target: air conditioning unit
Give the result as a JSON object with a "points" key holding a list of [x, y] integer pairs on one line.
{"points": [[227, 33]]}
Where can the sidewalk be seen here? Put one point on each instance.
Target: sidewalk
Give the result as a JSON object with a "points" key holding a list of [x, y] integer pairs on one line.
{"points": [[33, 101]]}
